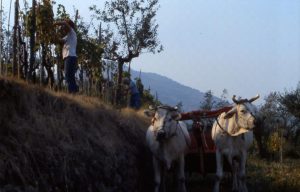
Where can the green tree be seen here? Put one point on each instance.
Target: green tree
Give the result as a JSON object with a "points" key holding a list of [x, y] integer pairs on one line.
{"points": [[32, 29], [139, 85], [223, 99], [132, 29], [267, 120], [39, 27], [89, 51], [208, 103], [179, 105], [291, 100], [273, 114], [148, 99]]}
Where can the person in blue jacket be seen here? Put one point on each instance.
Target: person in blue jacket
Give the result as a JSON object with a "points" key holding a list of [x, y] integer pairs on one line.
{"points": [[135, 100]]}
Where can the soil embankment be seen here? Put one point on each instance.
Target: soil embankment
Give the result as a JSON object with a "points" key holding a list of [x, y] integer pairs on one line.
{"points": [[57, 142]]}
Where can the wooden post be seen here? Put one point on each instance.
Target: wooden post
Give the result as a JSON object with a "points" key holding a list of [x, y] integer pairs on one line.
{"points": [[15, 39], [118, 96], [8, 39], [1, 37], [100, 62], [281, 145], [32, 42]]}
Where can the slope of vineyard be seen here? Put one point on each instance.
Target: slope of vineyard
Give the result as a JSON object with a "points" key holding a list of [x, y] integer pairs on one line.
{"points": [[57, 142]]}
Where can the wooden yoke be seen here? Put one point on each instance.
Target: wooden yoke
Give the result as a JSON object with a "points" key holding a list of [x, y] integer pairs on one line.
{"points": [[197, 115]]}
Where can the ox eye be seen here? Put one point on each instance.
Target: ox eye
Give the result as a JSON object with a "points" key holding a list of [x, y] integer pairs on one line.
{"points": [[243, 111]]}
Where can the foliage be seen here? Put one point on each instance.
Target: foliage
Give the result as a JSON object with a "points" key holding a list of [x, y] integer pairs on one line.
{"points": [[274, 114], [223, 102], [275, 141], [179, 106], [291, 100], [140, 86], [89, 49], [272, 111], [208, 103], [61, 12], [46, 33], [149, 99], [134, 27], [131, 29]]}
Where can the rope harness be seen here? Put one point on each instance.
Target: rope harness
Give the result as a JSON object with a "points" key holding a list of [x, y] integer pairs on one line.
{"points": [[225, 130], [175, 132]]}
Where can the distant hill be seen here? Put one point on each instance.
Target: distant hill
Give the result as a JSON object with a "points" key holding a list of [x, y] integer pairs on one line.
{"points": [[171, 92]]}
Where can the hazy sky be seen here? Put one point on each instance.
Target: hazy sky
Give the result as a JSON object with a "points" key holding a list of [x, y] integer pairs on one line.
{"points": [[245, 46]]}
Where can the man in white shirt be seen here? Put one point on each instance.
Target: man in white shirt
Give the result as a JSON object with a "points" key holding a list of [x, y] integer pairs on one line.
{"points": [[69, 53]]}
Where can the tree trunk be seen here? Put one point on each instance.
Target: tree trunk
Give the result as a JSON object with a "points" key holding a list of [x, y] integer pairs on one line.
{"points": [[22, 65], [258, 134], [118, 97], [15, 39], [59, 66], [43, 64], [50, 78], [32, 43], [1, 38], [281, 146]]}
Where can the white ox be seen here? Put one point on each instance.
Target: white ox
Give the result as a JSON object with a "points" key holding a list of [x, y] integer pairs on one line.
{"points": [[167, 139], [232, 134]]}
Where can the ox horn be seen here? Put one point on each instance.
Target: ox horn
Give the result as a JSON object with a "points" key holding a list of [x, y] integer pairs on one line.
{"points": [[254, 98], [152, 108], [234, 99]]}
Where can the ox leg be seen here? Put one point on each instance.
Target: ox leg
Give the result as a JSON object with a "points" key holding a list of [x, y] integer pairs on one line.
{"points": [[242, 173], [163, 178], [219, 172], [234, 168], [180, 175], [157, 174]]}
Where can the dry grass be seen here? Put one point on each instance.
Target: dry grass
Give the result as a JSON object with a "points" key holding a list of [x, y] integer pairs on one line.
{"points": [[58, 142], [273, 176], [262, 176]]}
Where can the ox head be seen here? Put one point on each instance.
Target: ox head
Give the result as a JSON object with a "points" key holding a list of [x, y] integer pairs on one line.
{"points": [[244, 113], [164, 121]]}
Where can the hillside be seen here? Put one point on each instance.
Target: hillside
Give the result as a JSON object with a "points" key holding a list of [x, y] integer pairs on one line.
{"points": [[55, 142], [171, 92]]}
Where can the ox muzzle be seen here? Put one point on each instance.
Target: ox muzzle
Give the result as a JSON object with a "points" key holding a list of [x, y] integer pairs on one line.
{"points": [[160, 135]]}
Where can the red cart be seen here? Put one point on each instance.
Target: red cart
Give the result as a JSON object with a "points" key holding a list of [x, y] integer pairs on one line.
{"points": [[201, 154]]}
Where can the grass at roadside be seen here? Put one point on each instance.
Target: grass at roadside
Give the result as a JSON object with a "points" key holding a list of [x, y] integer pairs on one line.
{"points": [[263, 175]]}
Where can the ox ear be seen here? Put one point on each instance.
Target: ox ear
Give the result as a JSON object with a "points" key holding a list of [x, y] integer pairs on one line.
{"points": [[149, 113], [230, 113], [176, 116]]}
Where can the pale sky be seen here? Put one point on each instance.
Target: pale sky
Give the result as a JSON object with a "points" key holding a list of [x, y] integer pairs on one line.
{"points": [[245, 46]]}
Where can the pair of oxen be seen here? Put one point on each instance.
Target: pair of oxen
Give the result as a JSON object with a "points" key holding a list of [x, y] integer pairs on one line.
{"points": [[168, 139]]}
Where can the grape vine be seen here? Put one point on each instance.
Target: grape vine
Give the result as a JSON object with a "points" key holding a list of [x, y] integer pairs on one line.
{"points": [[45, 31]]}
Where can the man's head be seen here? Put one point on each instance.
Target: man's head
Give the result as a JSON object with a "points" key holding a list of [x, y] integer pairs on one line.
{"points": [[70, 23], [126, 81]]}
